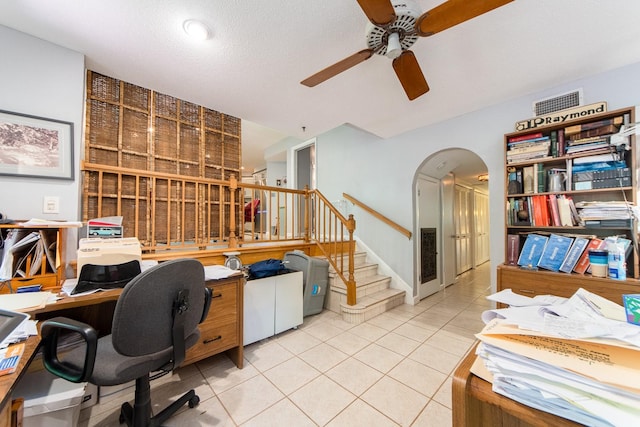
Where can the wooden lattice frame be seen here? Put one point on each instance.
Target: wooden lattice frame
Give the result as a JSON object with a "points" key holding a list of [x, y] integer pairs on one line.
{"points": [[128, 126]]}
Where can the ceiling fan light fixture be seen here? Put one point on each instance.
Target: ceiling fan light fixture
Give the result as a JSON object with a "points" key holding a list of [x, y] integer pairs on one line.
{"points": [[393, 46], [196, 29]]}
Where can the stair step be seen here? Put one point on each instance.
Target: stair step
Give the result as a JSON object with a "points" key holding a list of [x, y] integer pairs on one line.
{"points": [[367, 307], [360, 272], [369, 286], [359, 258]]}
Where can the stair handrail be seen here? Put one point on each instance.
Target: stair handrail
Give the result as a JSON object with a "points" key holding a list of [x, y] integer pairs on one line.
{"points": [[326, 228], [378, 215]]}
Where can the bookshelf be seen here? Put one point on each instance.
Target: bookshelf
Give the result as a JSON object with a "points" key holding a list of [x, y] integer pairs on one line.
{"points": [[26, 267], [572, 179]]}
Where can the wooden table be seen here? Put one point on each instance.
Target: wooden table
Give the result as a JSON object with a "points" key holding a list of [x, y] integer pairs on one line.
{"points": [[476, 404]]}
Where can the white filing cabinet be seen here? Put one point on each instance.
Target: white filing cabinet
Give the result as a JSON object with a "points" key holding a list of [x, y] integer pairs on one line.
{"points": [[272, 305]]}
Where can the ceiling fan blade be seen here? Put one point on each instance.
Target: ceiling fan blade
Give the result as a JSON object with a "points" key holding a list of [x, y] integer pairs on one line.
{"points": [[379, 12], [454, 12], [337, 68], [410, 75]]}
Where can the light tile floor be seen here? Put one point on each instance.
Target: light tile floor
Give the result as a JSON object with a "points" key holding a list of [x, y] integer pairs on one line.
{"points": [[393, 370]]}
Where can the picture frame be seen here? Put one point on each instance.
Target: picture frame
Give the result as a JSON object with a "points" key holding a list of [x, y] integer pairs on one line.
{"points": [[35, 147]]}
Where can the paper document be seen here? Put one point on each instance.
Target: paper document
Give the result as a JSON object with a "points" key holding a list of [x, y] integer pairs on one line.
{"points": [[215, 272], [24, 301]]}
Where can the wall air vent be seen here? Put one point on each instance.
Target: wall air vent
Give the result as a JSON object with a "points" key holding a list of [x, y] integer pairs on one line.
{"points": [[558, 102]]}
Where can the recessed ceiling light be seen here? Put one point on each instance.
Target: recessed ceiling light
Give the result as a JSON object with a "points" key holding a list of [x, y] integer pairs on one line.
{"points": [[196, 29]]}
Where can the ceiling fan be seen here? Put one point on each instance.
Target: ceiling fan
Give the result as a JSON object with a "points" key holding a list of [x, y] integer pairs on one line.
{"points": [[395, 26]]}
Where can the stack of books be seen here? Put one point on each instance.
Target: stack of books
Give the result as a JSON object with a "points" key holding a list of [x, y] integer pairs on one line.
{"points": [[527, 147], [588, 137]]}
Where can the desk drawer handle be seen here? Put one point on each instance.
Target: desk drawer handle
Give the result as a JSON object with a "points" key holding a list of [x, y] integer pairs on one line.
{"points": [[219, 337], [527, 291], [216, 296]]}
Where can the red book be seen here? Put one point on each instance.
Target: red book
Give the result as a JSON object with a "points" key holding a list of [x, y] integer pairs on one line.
{"points": [[525, 137], [555, 213]]}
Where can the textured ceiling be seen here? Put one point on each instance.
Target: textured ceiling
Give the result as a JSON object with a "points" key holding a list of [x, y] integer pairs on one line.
{"points": [[260, 50]]}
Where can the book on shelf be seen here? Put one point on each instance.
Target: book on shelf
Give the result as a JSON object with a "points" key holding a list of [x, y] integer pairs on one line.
{"points": [[554, 143], [525, 137], [541, 175], [564, 211], [555, 252], [575, 252], [513, 249], [599, 131], [583, 263], [532, 250], [571, 130], [561, 143], [553, 210], [528, 180]]}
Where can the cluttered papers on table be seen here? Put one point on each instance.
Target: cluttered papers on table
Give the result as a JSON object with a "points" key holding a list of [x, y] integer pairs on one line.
{"points": [[573, 357]]}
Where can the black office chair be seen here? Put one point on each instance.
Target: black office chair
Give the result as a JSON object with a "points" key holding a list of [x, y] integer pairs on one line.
{"points": [[155, 320]]}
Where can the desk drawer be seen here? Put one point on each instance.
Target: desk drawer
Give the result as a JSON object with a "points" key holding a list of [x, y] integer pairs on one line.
{"points": [[213, 339], [49, 282], [224, 304]]}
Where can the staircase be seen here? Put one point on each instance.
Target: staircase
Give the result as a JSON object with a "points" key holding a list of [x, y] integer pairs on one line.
{"points": [[373, 294]]}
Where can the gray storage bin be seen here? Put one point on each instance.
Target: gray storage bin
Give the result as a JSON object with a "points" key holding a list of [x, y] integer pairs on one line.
{"points": [[315, 278]]}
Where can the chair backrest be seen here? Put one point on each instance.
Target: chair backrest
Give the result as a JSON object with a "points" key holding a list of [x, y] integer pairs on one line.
{"points": [[143, 317]]}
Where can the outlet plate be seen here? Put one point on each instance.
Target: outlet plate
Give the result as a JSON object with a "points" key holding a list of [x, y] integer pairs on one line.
{"points": [[51, 205]]}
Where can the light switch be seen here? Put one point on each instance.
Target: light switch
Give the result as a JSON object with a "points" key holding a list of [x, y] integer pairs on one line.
{"points": [[51, 205]]}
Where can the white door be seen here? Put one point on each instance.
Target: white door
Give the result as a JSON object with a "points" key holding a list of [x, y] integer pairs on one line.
{"points": [[481, 226], [428, 197], [462, 236]]}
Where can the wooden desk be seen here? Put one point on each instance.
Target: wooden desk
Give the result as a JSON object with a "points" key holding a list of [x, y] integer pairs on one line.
{"points": [[220, 331], [8, 382], [475, 404]]}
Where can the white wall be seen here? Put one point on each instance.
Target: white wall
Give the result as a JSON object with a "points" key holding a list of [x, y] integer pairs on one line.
{"points": [[380, 172], [45, 80]]}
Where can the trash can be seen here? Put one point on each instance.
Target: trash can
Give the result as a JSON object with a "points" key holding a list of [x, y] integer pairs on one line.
{"points": [[315, 279], [49, 401]]}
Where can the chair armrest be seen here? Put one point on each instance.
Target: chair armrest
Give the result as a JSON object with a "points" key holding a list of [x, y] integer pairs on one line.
{"points": [[207, 303], [50, 331]]}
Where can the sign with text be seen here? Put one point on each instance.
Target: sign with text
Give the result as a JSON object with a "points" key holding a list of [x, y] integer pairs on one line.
{"points": [[562, 116]]}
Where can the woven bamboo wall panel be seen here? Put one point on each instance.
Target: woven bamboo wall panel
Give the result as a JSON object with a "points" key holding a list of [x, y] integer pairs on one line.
{"points": [[134, 161], [231, 125], [213, 172], [134, 132], [166, 166], [190, 143], [136, 96], [166, 138], [213, 148], [231, 153], [213, 120], [103, 124], [188, 169], [103, 87], [103, 157], [166, 105], [189, 113]]}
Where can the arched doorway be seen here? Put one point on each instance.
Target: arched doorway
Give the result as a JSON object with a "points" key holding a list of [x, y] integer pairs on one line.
{"points": [[451, 218]]}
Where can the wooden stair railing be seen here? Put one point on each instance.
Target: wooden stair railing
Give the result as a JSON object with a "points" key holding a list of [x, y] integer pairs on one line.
{"points": [[378, 215], [175, 212], [333, 234]]}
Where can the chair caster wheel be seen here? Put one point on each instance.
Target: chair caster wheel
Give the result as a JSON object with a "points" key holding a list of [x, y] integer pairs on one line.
{"points": [[193, 402]]}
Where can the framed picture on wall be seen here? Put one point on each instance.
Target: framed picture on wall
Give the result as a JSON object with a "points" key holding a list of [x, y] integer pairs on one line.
{"points": [[36, 147]]}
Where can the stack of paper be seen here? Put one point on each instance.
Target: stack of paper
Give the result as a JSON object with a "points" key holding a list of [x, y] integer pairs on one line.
{"points": [[575, 357]]}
